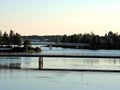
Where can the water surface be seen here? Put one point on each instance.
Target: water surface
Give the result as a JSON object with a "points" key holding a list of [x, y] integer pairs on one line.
{"points": [[15, 79], [59, 80]]}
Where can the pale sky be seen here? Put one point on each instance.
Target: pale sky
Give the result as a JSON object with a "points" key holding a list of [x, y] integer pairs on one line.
{"points": [[53, 17]]}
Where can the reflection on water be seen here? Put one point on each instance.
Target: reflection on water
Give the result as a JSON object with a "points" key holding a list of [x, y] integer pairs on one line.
{"points": [[10, 63], [77, 63], [63, 63], [17, 79], [10, 66], [70, 63]]}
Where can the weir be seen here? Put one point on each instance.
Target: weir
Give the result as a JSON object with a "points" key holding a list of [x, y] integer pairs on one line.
{"points": [[41, 56]]}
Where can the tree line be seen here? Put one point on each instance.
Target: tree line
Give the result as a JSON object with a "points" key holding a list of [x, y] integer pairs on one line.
{"points": [[10, 39], [109, 41], [14, 40]]}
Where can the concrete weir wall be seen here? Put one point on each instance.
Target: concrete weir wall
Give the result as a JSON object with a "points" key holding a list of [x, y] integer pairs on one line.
{"points": [[40, 63]]}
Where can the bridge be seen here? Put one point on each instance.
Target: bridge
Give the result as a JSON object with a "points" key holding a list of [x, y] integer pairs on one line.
{"points": [[57, 55], [41, 56], [51, 44]]}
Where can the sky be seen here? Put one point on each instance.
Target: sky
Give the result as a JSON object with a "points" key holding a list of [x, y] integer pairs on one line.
{"points": [[58, 17]]}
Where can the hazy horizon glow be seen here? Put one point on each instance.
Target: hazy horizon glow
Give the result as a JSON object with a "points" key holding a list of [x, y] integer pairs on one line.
{"points": [[57, 17]]}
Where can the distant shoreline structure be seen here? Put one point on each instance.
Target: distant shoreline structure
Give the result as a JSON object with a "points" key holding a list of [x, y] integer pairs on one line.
{"points": [[109, 41]]}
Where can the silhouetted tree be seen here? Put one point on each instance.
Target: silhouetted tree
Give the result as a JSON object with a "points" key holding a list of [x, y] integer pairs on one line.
{"points": [[17, 39], [64, 39], [27, 44], [6, 40], [0, 38], [57, 38], [11, 37], [95, 42]]}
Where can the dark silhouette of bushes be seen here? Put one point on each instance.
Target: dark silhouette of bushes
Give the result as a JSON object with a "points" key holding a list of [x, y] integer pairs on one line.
{"points": [[109, 41]]}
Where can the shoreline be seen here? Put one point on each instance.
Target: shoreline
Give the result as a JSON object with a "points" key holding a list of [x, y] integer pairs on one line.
{"points": [[84, 48], [19, 49]]}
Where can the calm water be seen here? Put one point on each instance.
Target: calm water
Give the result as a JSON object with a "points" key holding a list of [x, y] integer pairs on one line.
{"points": [[11, 79]]}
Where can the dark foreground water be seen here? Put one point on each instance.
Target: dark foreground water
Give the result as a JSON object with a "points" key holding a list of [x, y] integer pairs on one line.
{"points": [[16, 79]]}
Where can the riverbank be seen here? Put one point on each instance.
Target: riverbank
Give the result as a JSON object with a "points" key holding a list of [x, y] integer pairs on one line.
{"points": [[20, 49], [86, 47]]}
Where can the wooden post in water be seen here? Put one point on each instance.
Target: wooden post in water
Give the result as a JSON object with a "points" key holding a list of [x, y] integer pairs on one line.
{"points": [[40, 62]]}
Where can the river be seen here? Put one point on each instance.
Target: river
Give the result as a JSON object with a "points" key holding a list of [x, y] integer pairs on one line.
{"points": [[17, 79]]}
